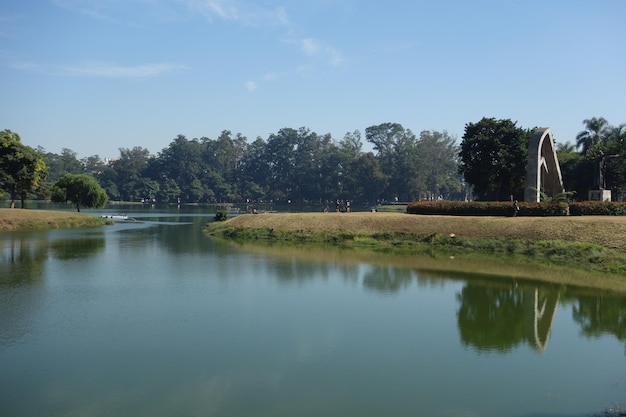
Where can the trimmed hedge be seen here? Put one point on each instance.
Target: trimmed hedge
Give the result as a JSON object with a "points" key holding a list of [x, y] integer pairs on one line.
{"points": [[486, 208], [502, 208], [597, 208]]}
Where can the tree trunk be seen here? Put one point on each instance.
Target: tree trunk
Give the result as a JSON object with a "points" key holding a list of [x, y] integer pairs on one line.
{"points": [[77, 208]]}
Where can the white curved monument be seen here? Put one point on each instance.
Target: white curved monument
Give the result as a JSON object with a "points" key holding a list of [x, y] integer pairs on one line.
{"points": [[543, 173]]}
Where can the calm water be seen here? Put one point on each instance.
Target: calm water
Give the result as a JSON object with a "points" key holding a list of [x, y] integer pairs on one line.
{"points": [[154, 319]]}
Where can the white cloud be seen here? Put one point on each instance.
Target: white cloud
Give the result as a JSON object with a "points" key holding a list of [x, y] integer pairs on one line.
{"points": [[309, 46], [246, 12], [315, 48], [251, 85], [119, 71], [271, 76]]}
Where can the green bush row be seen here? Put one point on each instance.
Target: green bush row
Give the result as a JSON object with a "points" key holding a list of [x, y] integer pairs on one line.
{"points": [[501, 208], [597, 208]]}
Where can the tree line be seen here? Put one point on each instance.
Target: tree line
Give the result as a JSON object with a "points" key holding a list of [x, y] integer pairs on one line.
{"points": [[302, 166], [493, 158]]}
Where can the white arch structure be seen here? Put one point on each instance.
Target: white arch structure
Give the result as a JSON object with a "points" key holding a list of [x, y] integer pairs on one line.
{"points": [[543, 172]]}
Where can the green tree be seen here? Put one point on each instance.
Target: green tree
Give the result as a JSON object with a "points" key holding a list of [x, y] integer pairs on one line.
{"points": [[438, 173], [79, 189], [366, 178], [184, 161], [130, 171], [573, 167], [255, 171], [351, 144], [279, 156], [22, 168], [64, 163], [391, 145], [594, 133], [602, 144], [493, 158]]}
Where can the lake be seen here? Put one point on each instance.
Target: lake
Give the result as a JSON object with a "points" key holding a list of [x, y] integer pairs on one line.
{"points": [[152, 318]]}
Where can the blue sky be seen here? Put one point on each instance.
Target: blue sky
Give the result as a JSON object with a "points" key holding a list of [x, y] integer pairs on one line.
{"points": [[98, 75]]}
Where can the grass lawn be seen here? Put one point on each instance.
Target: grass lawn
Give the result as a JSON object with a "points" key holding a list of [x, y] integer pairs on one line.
{"points": [[607, 231], [25, 219]]}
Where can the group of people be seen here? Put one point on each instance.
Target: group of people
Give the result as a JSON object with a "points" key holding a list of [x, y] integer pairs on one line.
{"points": [[341, 206]]}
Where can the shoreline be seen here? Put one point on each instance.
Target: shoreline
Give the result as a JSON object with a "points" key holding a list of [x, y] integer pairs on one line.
{"points": [[587, 248], [607, 231]]}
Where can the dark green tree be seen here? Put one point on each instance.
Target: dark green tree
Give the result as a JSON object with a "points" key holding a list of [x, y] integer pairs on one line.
{"points": [[438, 173], [255, 171], [493, 158], [594, 133], [130, 173], [365, 179], [280, 157], [184, 161], [573, 167], [389, 140], [80, 190], [22, 168]]}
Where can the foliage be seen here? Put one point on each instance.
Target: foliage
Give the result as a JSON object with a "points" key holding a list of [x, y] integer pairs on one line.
{"points": [[493, 158], [22, 169], [486, 208], [560, 197], [79, 189], [221, 216], [304, 167], [597, 208], [593, 134]]}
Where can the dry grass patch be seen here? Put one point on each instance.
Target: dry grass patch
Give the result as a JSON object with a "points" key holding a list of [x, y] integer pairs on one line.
{"points": [[607, 231], [21, 219]]}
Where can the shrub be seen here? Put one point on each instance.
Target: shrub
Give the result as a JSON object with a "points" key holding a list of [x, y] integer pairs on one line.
{"points": [[597, 208], [486, 208], [221, 215]]}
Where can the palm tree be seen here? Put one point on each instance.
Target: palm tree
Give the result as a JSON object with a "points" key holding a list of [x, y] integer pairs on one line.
{"points": [[566, 147], [594, 133], [616, 134]]}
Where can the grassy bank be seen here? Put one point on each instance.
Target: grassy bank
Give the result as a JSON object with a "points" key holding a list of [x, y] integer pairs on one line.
{"points": [[19, 219], [594, 244]]}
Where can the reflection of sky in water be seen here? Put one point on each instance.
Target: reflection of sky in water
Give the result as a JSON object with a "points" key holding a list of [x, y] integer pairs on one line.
{"points": [[137, 319]]}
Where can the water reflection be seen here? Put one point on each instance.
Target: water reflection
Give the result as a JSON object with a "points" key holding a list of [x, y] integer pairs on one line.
{"points": [[499, 318], [604, 314], [21, 259], [495, 313], [388, 279], [72, 248]]}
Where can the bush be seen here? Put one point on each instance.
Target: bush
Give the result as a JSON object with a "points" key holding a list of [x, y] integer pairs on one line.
{"points": [[221, 216], [486, 208], [597, 208]]}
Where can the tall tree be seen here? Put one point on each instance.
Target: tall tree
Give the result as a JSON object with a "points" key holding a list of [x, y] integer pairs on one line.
{"points": [[493, 158], [22, 168], [438, 173], [366, 180], [351, 144], [279, 155], [130, 172], [184, 161], [255, 171], [395, 149], [594, 133]]}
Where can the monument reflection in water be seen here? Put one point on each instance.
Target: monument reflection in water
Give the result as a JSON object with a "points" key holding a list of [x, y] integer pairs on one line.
{"points": [[153, 318]]}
